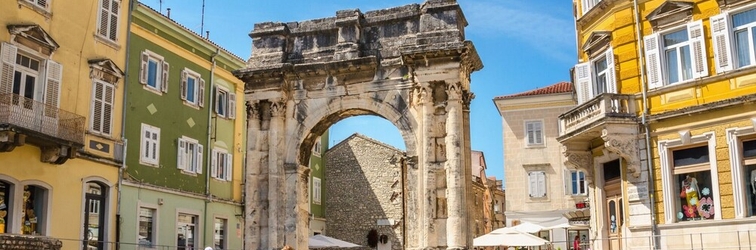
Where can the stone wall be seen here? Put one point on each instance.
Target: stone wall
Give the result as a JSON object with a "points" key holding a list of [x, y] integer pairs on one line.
{"points": [[363, 180]]}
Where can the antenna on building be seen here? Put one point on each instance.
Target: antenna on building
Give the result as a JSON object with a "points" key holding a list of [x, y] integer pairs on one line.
{"points": [[161, 6], [202, 21]]}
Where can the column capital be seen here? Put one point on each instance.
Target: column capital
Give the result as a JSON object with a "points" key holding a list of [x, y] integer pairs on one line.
{"points": [[626, 145], [454, 91], [421, 94], [277, 107], [253, 110], [467, 97]]}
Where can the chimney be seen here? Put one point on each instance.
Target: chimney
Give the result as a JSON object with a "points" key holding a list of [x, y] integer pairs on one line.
{"points": [[169, 13], [208, 35]]}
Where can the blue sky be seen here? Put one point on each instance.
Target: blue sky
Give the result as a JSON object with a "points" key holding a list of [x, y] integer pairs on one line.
{"points": [[524, 45]]}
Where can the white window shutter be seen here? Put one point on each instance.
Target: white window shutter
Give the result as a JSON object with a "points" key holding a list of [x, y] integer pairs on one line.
{"points": [[696, 35], [181, 159], [720, 34], [164, 78], [583, 82], [231, 105], [52, 89], [533, 182], [567, 178], [184, 76], [541, 184], [201, 93], [216, 94], [653, 61], [611, 78], [8, 67], [229, 166], [144, 69], [214, 164], [200, 151], [538, 132], [530, 132]]}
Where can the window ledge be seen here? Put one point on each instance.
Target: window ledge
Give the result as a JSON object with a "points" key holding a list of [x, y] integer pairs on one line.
{"points": [[221, 180], [192, 105], [148, 164], [151, 89], [107, 41], [702, 81], [536, 146], [714, 222], [109, 138], [189, 173], [42, 11]]}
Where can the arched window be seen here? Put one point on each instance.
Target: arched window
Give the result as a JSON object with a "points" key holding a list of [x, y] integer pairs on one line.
{"points": [[6, 206], [34, 207], [94, 215]]}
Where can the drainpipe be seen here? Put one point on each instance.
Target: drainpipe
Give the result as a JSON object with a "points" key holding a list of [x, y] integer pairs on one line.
{"points": [[644, 121], [119, 185], [208, 149]]}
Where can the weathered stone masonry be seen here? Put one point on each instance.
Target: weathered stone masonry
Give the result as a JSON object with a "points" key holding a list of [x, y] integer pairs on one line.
{"points": [[410, 65]]}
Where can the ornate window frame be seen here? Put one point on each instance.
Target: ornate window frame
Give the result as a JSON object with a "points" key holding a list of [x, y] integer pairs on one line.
{"points": [[734, 141]]}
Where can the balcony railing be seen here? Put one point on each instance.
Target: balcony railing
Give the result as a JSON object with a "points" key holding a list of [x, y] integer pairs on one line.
{"points": [[36, 116], [599, 108]]}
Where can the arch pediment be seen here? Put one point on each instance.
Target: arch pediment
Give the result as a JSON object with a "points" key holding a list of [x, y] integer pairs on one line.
{"points": [[105, 69], [597, 41], [671, 13], [34, 37]]}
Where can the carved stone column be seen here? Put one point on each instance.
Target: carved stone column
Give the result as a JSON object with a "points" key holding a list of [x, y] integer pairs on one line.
{"points": [[427, 184], [254, 200], [467, 98], [276, 182], [297, 209], [456, 224]]}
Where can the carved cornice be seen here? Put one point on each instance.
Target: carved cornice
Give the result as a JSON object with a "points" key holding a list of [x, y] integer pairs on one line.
{"points": [[626, 145]]}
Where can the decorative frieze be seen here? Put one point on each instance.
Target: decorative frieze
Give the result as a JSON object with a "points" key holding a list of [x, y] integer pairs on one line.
{"points": [[626, 145]]}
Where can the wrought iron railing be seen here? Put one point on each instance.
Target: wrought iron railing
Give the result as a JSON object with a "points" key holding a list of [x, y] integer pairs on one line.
{"points": [[600, 107], [37, 116]]}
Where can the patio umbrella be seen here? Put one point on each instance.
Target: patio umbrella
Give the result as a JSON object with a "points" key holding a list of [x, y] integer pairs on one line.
{"points": [[528, 227], [508, 237], [322, 241]]}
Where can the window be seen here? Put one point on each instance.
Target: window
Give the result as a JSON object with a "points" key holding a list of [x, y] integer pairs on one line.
{"points": [[225, 103], [108, 19], [189, 155], [32, 82], [689, 178], [147, 223], [742, 147], [39, 3], [192, 88], [537, 184], [316, 149], [221, 165], [595, 77], [6, 207], [749, 177], [589, 4], [219, 238], [154, 72], [578, 185], [34, 207], [102, 107], [316, 190], [150, 151], [186, 233], [676, 56], [94, 216], [534, 132]]}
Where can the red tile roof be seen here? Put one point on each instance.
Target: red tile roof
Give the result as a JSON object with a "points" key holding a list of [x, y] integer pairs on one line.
{"points": [[562, 87]]}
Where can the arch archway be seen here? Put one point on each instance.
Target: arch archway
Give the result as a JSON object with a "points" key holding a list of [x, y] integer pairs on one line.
{"points": [[409, 65]]}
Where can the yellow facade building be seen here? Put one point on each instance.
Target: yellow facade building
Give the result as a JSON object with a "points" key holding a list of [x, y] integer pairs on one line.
{"points": [[666, 122], [61, 92]]}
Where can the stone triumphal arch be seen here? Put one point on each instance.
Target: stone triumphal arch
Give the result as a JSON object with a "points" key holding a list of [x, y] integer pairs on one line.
{"points": [[410, 65]]}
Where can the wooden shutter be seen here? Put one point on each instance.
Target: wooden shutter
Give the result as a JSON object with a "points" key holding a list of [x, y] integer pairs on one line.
{"points": [[214, 164], [8, 68], [107, 109], [144, 69], [583, 82], [541, 183], [104, 17], [720, 34], [533, 182], [567, 178], [200, 151], [201, 92], [181, 155], [229, 166], [653, 61], [611, 81], [231, 105], [217, 94], [113, 29], [164, 78], [52, 89], [184, 76], [698, 49], [530, 132]]}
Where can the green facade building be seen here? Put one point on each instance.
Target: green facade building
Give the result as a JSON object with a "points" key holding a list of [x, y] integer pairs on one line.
{"points": [[317, 184]]}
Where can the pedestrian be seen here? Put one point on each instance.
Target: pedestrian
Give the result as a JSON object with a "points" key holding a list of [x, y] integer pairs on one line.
{"points": [[576, 243]]}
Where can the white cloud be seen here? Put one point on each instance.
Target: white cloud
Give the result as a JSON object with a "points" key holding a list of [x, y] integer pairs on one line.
{"points": [[527, 25]]}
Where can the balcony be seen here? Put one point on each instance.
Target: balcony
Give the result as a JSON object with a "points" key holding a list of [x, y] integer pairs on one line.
{"points": [[29, 242], [56, 131], [587, 119]]}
